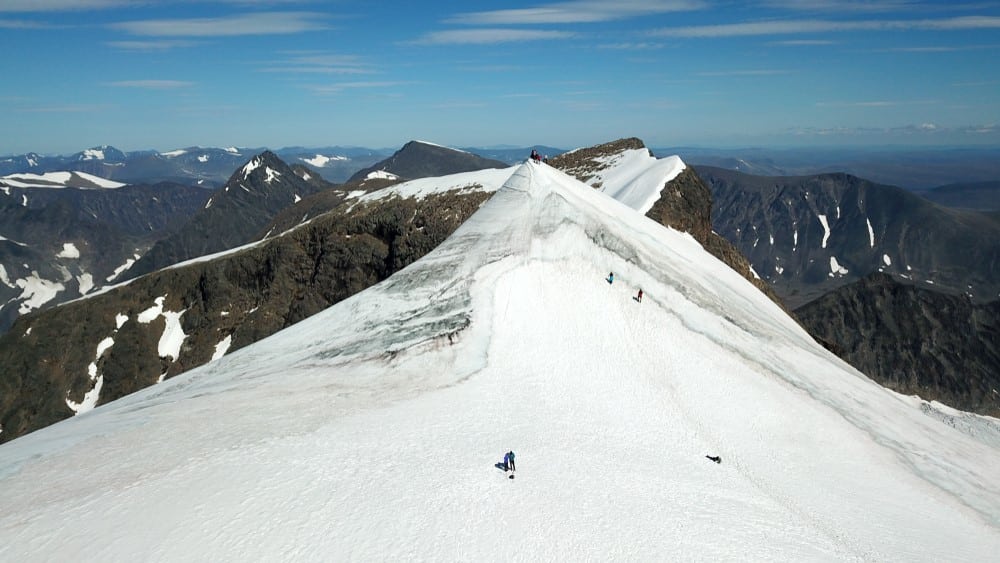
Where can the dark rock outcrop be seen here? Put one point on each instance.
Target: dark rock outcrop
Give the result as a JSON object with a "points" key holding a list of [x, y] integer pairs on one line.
{"points": [[106, 228], [915, 341]]}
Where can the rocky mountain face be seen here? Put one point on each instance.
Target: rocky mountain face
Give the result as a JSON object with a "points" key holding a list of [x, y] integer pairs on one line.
{"points": [[913, 340], [808, 235], [235, 213], [60, 244], [174, 319], [424, 160], [901, 288]]}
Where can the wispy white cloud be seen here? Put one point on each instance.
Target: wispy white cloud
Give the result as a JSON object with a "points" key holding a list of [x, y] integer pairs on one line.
{"points": [[874, 103], [578, 11], [939, 49], [459, 104], [91, 5], [24, 24], [863, 104], [260, 23], [162, 45], [151, 84], [490, 36], [631, 46], [802, 42], [71, 108], [747, 72], [842, 6], [789, 27], [901, 130], [342, 86], [315, 62], [976, 83], [60, 5]]}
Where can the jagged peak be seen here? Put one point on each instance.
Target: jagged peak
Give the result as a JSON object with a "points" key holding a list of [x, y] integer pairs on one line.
{"points": [[265, 161]]}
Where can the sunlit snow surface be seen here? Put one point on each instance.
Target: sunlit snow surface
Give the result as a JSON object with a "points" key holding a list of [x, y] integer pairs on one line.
{"points": [[370, 431]]}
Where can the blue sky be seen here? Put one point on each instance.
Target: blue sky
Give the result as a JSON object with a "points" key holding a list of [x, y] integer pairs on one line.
{"points": [[149, 74]]}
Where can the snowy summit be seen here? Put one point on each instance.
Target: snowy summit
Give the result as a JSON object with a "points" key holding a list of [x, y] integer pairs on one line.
{"points": [[376, 429]]}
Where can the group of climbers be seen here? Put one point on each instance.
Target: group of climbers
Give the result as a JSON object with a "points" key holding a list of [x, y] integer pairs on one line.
{"points": [[611, 279]]}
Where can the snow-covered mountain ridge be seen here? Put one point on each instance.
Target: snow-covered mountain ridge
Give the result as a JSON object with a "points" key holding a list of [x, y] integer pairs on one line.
{"points": [[371, 430]]}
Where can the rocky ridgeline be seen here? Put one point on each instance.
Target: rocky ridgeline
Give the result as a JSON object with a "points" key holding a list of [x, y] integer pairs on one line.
{"points": [[584, 163]]}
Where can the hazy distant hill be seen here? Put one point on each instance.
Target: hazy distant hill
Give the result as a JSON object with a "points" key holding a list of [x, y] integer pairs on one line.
{"points": [[418, 159], [981, 196], [909, 168]]}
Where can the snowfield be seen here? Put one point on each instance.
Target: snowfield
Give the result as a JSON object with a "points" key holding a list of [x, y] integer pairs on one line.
{"points": [[371, 430]]}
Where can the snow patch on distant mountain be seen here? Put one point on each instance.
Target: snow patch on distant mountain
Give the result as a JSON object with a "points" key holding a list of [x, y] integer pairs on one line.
{"points": [[428, 143], [251, 166], [121, 269], [272, 174], [835, 268], [36, 291], [4, 279], [86, 283], [92, 154], [381, 175], [203, 158], [320, 160], [173, 334], [232, 150], [826, 229], [12, 241], [69, 251], [222, 347], [58, 180], [174, 153]]}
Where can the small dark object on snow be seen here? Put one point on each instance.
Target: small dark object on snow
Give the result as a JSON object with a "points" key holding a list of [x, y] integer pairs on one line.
{"points": [[511, 476], [714, 458]]}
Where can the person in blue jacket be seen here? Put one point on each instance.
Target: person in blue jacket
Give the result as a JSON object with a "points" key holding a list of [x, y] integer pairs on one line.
{"points": [[611, 277], [508, 461]]}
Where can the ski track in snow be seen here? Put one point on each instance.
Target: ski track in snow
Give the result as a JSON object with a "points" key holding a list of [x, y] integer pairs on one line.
{"points": [[370, 431]]}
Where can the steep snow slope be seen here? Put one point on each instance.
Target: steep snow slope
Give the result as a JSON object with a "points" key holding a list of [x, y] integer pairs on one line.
{"points": [[371, 430]]}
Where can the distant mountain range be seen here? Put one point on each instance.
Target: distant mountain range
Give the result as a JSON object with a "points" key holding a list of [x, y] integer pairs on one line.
{"points": [[808, 235], [211, 167], [908, 168], [205, 167]]}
